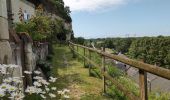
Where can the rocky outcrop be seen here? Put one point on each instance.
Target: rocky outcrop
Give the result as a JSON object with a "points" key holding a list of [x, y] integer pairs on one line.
{"points": [[5, 49]]}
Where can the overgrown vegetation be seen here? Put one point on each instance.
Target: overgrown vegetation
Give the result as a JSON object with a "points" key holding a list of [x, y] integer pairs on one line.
{"points": [[119, 76], [44, 28], [152, 50]]}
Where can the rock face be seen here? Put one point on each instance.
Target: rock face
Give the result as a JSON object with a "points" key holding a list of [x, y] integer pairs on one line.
{"points": [[28, 9], [5, 49], [5, 52]]}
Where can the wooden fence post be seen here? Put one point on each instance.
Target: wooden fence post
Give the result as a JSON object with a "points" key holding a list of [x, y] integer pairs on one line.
{"points": [[74, 55], [77, 53], [84, 55], [89, 63], [143, 85], [77, 49], [103, 69]]}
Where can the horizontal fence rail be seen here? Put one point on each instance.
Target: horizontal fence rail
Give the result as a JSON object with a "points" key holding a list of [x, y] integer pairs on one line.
{"points": [[143, 68], [162, 72]]}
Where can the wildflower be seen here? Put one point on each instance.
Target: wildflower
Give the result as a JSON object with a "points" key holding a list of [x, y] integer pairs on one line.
{"points": [[38, 90], [47, 89], [30, 89], [13, 66], [37, 78], [66, 90], [16, 96], [37, 84], [16, 80], [27, 72], [66, 96], [2, 93], [37, 72], [52, 79], [4, 86], [3, 70], [44, 82], [42, 96], [11, 88], [7, 80], [53, 88], [52, 95], [60, 92]]}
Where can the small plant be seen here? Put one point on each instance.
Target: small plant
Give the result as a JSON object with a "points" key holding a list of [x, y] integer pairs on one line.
{"points": [[11, 87], [45, 67]]}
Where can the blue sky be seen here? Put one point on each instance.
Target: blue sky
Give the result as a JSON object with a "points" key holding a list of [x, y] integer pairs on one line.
{"points": [[120, 18]]}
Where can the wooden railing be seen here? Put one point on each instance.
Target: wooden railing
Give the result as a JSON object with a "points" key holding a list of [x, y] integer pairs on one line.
{"points": [[143, 68]]}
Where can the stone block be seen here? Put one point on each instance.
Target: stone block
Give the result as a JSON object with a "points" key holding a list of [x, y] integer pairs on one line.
{"points": [[4, 33], [3, 8], [5, 52]]}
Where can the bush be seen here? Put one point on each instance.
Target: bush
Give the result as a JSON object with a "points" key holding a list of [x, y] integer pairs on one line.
{"points": [[45, 67]]}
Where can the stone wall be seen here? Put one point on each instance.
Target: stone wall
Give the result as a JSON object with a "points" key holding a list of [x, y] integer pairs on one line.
{"points": [[26, 7], [25, 53], [5, 49]]}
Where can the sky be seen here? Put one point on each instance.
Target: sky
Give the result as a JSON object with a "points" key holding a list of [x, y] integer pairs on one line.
{"points": [[120, 18]]}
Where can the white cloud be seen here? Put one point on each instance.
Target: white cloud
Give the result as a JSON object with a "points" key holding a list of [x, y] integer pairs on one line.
{"points": [[92, 5]]}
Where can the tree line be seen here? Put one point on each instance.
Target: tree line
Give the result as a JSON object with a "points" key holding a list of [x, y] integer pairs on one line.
{"points": [[152, 50]]}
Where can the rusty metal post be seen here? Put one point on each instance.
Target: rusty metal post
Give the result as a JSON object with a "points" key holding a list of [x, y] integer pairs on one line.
{"points": [[143, 85]]}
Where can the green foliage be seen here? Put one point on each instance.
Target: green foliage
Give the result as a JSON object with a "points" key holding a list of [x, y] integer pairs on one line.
{"points": [[159, 96], [42, 28], [118, 44], [155, 50], [62, 11], [79, 40], [114, 72], [114, 93], [45, 67], [37, 27], [120, 76]]}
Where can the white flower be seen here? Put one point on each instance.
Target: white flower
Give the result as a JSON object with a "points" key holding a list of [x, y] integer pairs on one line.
{"points": [[16, 96], [7, 80], [2, 92], [13, 66], [42, 96], [4, 86], [11, 88], [53, 88], [47, 89], [37, 78], [60, 92], [38, 90], [37, 72], [66, 96], [66, 90], [30, 89], [44, 82], [27, 72], [53, 79], [43, 92], [37, 84], [16, 80], [3, 70], [52, 95]]}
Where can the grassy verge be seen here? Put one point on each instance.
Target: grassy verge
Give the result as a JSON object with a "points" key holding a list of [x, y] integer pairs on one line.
{"points": [[72, 75]]}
